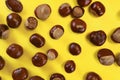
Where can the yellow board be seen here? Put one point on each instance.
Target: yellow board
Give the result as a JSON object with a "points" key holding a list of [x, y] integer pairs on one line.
{"points": [[85, 62]]}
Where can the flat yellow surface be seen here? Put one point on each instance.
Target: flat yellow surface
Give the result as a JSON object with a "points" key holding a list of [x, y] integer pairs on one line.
{"points": [[85, 62]]}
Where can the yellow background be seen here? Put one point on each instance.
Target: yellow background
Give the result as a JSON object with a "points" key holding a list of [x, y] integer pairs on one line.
{"points": [[85, 62]]}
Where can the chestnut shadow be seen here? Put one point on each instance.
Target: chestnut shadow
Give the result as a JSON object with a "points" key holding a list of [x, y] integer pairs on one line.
{"points": [[8, 69], [44, 68], [88, 38], [95, 55], [23, 30], [84, 76], [96, 50], [2, 21], [27, 54], [109, 36], [90, 13], [118, 15], [11, 38]]}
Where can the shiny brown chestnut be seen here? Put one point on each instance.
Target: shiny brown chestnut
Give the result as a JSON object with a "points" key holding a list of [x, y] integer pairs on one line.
{"points": [[36, 78], [20, 74], [15, 50], [74, 48], [97, 8], [56, 32], [78, 25], [98, 38], [52, 54], [39, 59], [14, 20], [65, 9], [84, 3], [77, 12], [4, 31], [57, 76], [2, 63], [70, 66], [118, 59], [106, 56], [14, 5], [116, 35], [31, 23], [37, 40], [42, 11], [93, 76]]}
